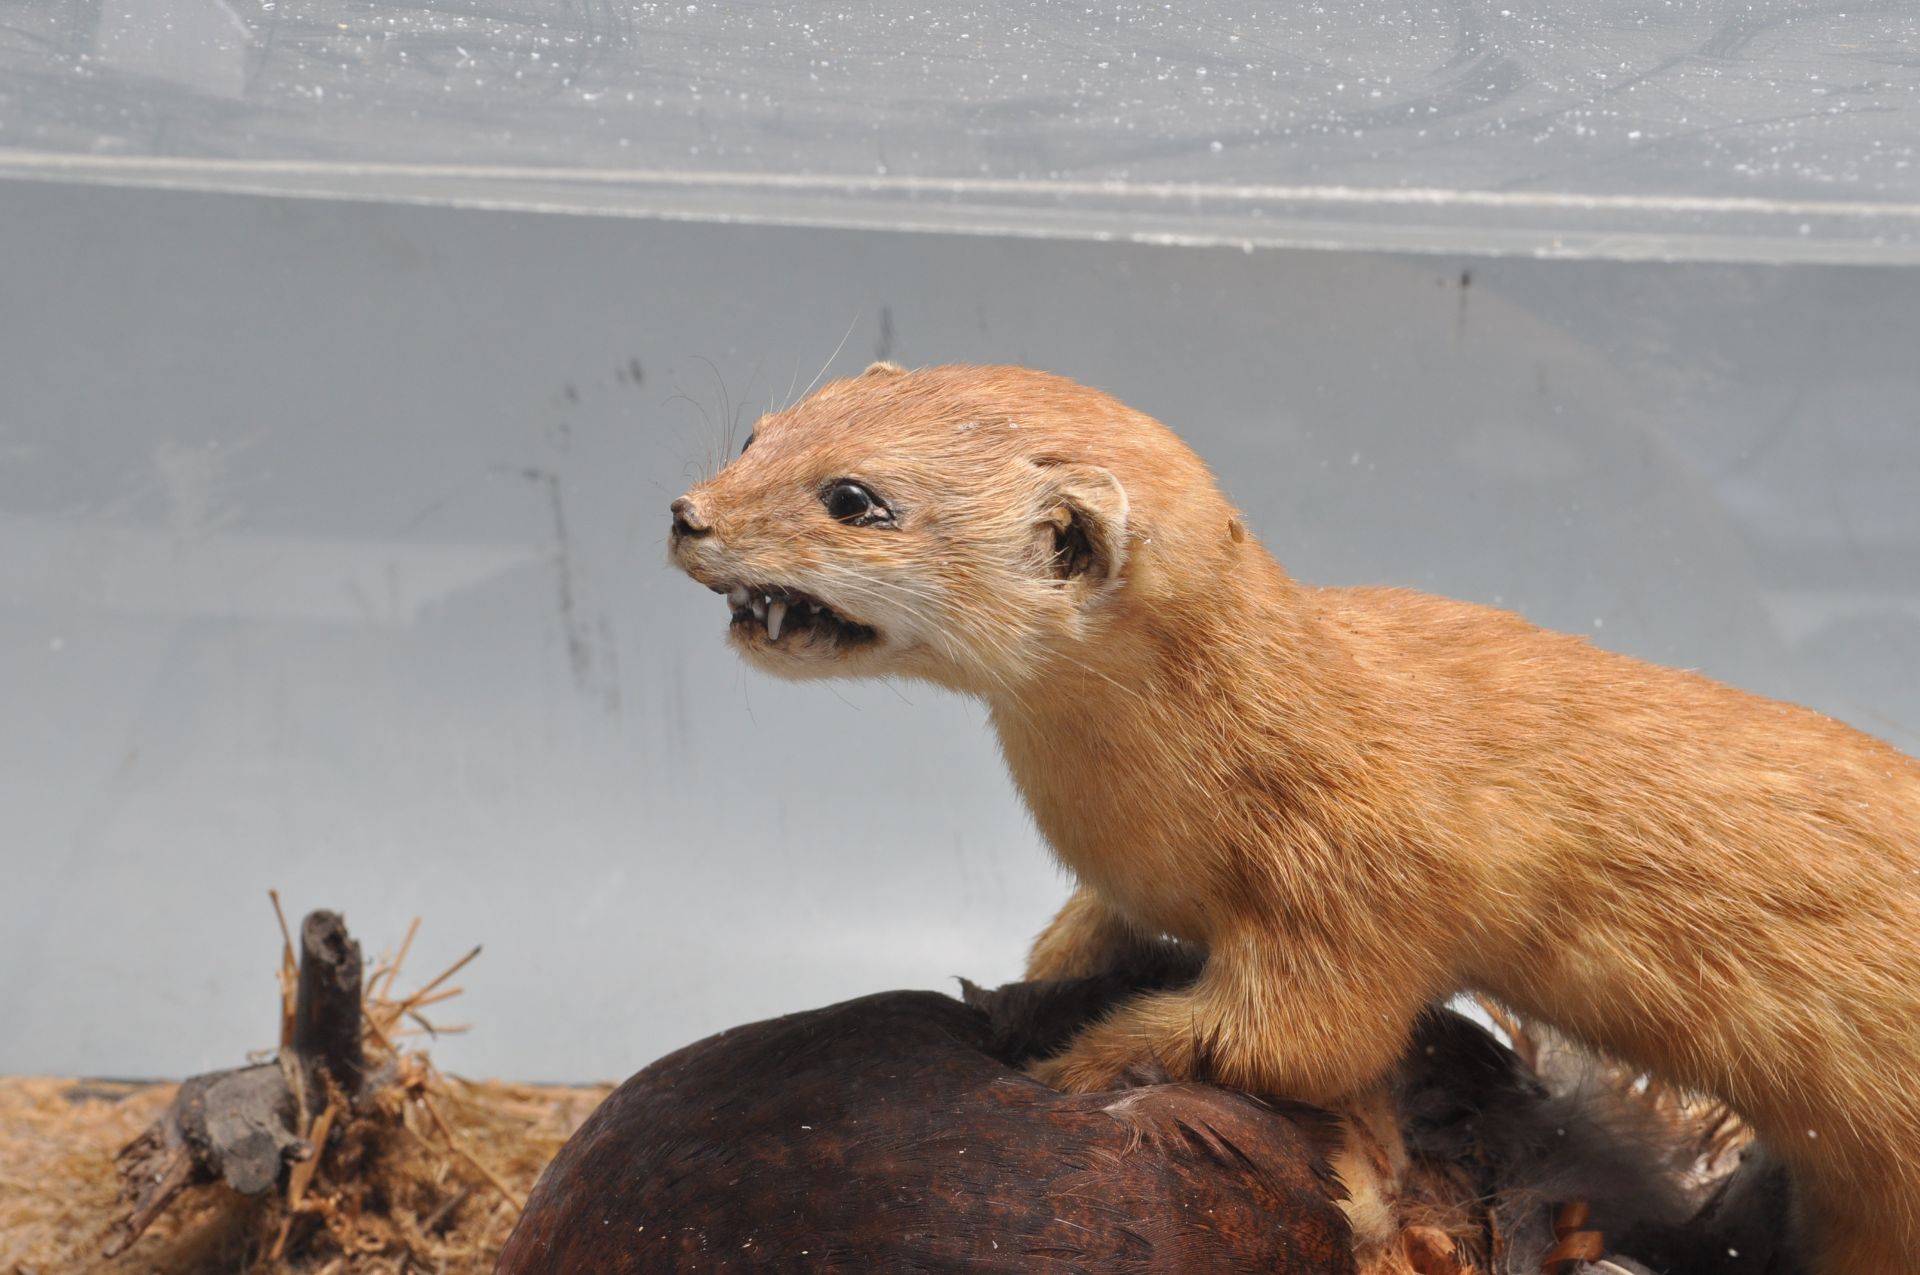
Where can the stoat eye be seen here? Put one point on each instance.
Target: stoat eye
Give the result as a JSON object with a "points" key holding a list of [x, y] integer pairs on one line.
{"points": [[850, 502]]}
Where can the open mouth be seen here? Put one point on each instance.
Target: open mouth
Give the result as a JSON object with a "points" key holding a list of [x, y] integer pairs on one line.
{"points": [[787, 616]]}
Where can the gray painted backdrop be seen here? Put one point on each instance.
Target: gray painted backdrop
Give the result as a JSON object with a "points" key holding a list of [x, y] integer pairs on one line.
{"points": [[331, 558]]}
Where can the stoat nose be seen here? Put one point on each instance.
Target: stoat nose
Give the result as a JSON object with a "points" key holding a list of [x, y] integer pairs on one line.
{"points": [[687, 520]]}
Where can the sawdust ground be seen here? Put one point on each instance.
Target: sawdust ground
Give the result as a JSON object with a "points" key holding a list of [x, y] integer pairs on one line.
{"points": [[58, 1190]]}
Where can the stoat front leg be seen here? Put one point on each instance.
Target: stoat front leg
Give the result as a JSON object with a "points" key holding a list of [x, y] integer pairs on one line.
{"points": [[1257, 1021], [1268, 1015], [1083, 939]]}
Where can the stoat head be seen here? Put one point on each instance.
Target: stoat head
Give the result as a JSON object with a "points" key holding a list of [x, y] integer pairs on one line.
{"points": [[965, 525]]}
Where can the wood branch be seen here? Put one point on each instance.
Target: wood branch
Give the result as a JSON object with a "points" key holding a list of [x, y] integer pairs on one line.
{"points": [[326, 1026], [244, 1126], [153, 1169], [233, 1126]]}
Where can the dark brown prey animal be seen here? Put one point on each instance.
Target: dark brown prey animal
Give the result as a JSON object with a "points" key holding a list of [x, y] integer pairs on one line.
{"points": [[885, 1134], [897, 1132]]}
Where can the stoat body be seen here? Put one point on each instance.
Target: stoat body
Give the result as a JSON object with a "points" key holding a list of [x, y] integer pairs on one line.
{"points": [[1360, 801]]}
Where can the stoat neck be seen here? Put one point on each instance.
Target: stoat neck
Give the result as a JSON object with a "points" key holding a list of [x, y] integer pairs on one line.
{"points": [[1136, 746], [1249, 639]]}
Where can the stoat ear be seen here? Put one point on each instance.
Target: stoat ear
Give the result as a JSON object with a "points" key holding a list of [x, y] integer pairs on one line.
{"points": [[884, 369], [1083, 523]]}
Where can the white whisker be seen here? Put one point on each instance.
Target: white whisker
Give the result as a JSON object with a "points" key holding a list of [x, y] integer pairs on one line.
{"points": [[831, 357]]}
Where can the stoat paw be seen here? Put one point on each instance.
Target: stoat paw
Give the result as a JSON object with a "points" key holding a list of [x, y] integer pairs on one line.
{"points": [[1071, 1074], [1081, 1070]]}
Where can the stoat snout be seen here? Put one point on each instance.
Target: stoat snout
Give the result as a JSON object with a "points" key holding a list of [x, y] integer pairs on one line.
{"points": [[766, 617]]}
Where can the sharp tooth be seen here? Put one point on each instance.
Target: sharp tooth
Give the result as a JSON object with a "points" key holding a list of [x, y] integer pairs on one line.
{"points": [[776, 616], [759, 608], [737, 597]]}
